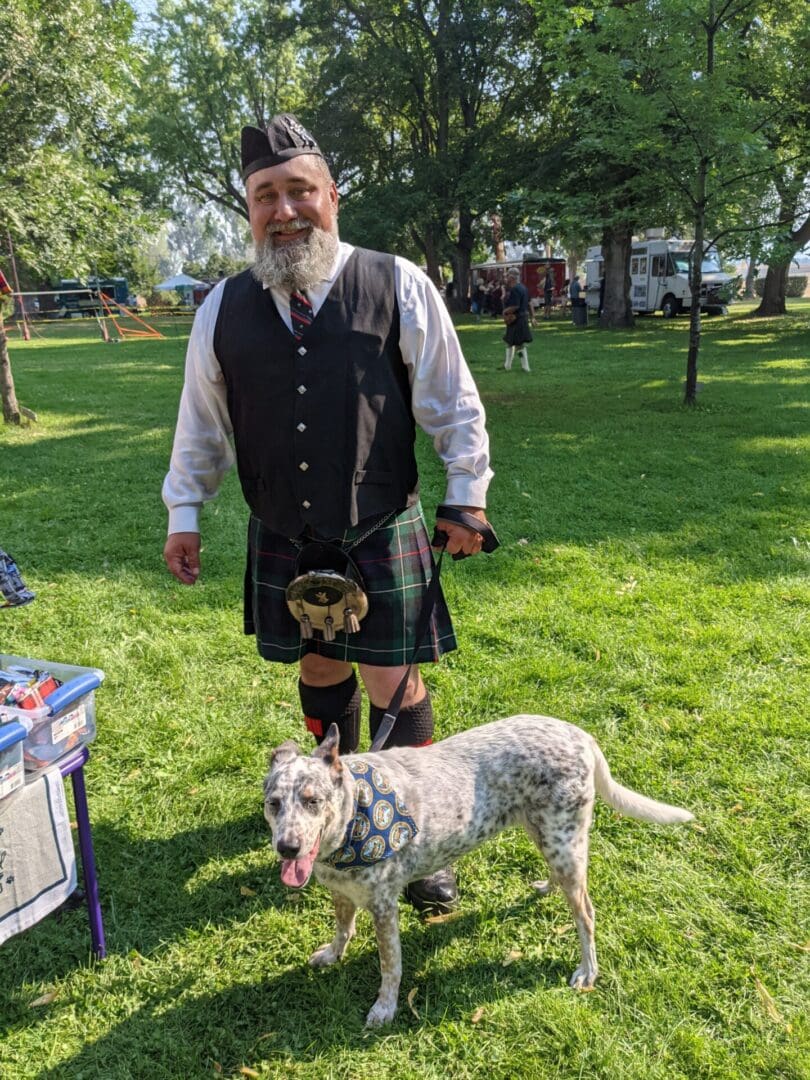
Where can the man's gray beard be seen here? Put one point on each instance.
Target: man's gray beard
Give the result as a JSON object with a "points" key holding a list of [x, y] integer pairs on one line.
{"points": [[299, 264]]}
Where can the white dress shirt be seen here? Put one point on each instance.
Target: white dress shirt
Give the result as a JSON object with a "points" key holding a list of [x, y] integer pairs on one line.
{"points": [[444, 399]]}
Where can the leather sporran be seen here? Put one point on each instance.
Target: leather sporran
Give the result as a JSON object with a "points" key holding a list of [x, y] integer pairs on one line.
{"points": [[327, 592], [509, 317]]}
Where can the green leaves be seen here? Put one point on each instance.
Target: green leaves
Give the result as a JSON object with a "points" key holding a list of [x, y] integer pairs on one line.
{"points": [[65, 73], [211, 68]]}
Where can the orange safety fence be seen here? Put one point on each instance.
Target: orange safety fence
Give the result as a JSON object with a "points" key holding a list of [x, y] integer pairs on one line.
{"points": [[127, 331]]}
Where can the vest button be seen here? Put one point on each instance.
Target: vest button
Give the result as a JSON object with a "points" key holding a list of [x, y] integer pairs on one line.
{"points": [[306, 504], [302, 351], [302, 426], [303, 466], [301, 389]]}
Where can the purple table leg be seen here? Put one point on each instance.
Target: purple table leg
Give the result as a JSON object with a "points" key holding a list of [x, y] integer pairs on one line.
{"points": [[73, 766]]}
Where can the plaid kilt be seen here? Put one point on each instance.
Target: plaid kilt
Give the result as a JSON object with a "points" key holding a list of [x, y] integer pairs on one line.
{"points": [[396, 563], [518, 332]]}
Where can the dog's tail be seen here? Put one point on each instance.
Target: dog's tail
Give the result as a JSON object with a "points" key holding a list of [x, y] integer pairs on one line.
{"points": [[630, 802]]}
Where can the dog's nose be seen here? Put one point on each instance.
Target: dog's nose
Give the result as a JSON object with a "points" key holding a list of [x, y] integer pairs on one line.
{"points": [[288, 851]]}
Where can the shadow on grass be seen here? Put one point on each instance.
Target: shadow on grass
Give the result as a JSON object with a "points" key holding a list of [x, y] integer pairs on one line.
{"points": [[151, 900], [136, 876], [300, 1013]]}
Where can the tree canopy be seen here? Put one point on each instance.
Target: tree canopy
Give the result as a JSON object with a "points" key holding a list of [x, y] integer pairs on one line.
{"points": [[213, 66], [66, 73]]}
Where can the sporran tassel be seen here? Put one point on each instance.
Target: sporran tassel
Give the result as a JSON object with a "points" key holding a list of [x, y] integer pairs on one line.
{"points": [[306, 627], [328, 628], [350, 622]]}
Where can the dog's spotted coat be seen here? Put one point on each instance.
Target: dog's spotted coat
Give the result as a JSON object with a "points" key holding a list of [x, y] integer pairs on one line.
{"points": [[530, 770]]}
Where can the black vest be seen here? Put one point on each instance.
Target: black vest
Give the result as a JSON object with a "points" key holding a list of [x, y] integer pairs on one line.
{"points": [[323, 429]]}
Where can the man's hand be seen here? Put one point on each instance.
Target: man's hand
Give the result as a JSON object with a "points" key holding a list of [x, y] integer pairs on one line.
{"points": [[182, 556], [461, 539]]}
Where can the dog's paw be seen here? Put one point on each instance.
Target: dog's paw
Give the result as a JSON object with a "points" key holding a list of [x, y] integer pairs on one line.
{"points": [[323, 957], [382, 1012], [583, 979], [543, 888]]}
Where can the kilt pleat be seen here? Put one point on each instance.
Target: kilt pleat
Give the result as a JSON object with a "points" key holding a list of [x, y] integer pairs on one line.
{"points": [[396, 563]]}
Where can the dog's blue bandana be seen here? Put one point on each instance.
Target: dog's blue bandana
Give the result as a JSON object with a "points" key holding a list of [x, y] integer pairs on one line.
{"points": [[381, 825]]}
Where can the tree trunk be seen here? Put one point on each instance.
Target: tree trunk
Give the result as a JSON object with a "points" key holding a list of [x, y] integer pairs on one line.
{"points": [[773, 295], [774, 290], [426, 242], [695, 285], [462, 257], [617, 311], [11, 410], [497, 238], [751, 274]]}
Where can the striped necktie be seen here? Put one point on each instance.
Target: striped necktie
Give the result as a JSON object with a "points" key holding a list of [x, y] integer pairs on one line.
{"points": [[300, 314]]}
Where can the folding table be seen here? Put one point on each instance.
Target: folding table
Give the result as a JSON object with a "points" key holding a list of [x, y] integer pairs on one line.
{"points": [[73, 766]]}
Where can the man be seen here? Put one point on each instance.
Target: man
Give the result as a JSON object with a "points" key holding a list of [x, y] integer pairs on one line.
{"points": [[516, 316], [316, 365], [548, 293]]}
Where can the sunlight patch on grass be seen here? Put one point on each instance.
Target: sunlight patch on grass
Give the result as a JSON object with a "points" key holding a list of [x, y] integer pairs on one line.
{"points": [[610, 345], [744, 342], [786, 444], [800, 365]]}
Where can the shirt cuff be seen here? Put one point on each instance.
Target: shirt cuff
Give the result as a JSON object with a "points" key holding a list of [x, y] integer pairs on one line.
{"points": [[465, 491], [185, 518]]}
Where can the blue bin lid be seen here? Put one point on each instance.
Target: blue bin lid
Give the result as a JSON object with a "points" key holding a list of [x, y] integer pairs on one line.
{"points": [[11, 733]]}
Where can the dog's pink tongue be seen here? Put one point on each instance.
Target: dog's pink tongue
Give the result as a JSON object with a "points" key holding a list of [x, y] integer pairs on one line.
{"points": [[296, 872]]}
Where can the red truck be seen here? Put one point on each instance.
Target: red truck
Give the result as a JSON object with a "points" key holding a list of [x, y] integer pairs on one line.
{"points": [[532, 275]]}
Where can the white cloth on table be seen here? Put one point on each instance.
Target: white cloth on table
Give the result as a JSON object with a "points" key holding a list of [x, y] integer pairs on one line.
{"points": [[37, 858]]}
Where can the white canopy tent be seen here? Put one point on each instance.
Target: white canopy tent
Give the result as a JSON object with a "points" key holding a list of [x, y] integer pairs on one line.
{"points": [[179, 283]]}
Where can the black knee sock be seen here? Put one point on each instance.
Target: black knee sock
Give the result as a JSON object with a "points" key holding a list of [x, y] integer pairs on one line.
{"points": [[414, 726], [339, 704]]}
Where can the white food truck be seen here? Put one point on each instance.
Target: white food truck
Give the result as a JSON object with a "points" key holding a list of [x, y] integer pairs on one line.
{"points": [[659, 277]]}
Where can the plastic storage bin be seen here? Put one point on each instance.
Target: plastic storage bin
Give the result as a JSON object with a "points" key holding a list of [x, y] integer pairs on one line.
{"points": [[12, 774], [68, 717]]}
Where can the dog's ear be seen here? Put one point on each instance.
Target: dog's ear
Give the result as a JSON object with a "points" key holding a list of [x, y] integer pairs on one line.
{"points": [[329, 747], [286, 752]]}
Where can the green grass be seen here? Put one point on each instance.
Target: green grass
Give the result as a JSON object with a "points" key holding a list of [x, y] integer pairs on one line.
{"points": [[652, 586]]}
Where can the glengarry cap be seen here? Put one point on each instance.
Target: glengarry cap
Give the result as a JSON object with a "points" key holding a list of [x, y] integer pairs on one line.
{"points": [[283, 138]]}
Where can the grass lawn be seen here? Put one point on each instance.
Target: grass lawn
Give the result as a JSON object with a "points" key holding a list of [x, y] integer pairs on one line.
{"points": [[652, 587]]}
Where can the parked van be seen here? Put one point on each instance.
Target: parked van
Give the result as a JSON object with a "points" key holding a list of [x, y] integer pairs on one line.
{"points": [[659, 277]]}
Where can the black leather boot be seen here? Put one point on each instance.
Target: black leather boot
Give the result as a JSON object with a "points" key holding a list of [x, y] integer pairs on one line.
{"points": [[436, 894]]}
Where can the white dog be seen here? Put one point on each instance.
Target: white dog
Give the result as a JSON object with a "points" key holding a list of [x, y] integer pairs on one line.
{"points": [[368, 824]]}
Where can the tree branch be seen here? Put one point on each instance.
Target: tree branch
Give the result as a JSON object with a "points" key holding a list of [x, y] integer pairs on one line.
{"points": [[746, 229]]}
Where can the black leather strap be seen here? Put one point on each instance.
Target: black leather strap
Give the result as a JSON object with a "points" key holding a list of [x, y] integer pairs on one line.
{"points": [[440, 538], [460, 517], [428, 604]]}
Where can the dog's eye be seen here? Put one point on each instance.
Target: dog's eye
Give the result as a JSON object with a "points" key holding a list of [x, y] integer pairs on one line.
{"points": [[274, 805], [313, 803]]}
